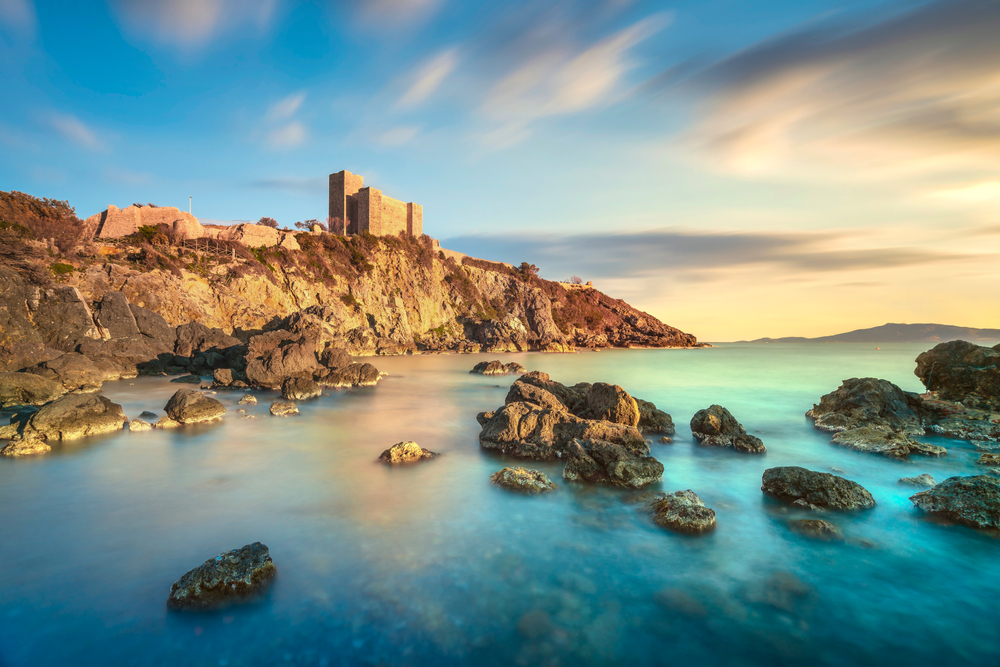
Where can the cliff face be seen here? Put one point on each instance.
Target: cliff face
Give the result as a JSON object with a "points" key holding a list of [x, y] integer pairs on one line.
{"points": [[369, 295]]}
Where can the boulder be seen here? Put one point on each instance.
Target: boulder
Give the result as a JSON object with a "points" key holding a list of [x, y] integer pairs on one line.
{"points": [[64, 319], [971, 501], [75, 416], [21, 344], [522, 392], [716, 426], [354, 375], [30, 446], [137, 425], [27, 389], [222, 377], [335, 358], [249, 399], [276, 355], [405, 452], [652, 420], [114, 317], [299, 389], [601, 462], [862, 402], [284, 408], [166, 422], [989, 459], [684, 512], [574, 398], [919, 480], [233, 576], [815, 528], [504, 335], [523, 480], [189, 406], [188, 379], [497, 367], [153, 327], [665, 440], [884, 442], [962, 372], [609, 402], [196, 337], [75, 372], [792, 483]]}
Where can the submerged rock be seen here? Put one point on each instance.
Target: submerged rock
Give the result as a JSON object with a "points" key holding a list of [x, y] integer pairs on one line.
{"points": [[249, 399], [137, 425], [971, 501], [792, 483], [231, 577], [30, 446], [27, 389], [189, 406], [919, 480], [665, 441], [284, 408], [522, 479], [600, 462], [716, 426], [299, 389], [816, 528], [861, 402], [497, 367], [76, 416], [166, 422], [881, 440], [188, 379], [684, 512], [405, 452]]}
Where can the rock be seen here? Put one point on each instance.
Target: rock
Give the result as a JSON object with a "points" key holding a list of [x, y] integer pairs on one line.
{"points": [[354, 375], [73, 371], [166, 422], [284, 408], [866, 402], [822, 489], [919, 480], [497, 368], [188, 379], [652, 420], [27, 389], [716, 426], [484, 417], [971, 501], [230, 577], [989, 459], [64, 319], [503, 335], [335, 358], [609, 402], [522, 392], [574, 398], [249, 399], [522, 479], [146, 414], [153, 327], [26, 447], [299, 389], [276, 355], [137, 425], [114, 317], [405, 452], [665, 440], [196, 337], [21, 344], [76, 416], [880, 440], [189, 406], [601, 462], [816, 528], [684, 512], [962, 372], [222, 377]]}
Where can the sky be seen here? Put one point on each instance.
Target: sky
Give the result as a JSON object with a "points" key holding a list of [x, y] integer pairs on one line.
{"points": [[737, 169]]}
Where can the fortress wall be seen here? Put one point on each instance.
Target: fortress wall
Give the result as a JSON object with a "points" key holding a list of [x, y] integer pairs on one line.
{"points": [[414, 219], [343, 186], [369, 211], [394, 216]]}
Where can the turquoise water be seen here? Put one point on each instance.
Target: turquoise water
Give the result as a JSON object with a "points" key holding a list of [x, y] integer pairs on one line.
{"points": [[430, 565]]}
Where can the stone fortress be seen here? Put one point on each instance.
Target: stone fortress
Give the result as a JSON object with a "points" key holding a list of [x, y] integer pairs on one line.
{"points": [[367, 210]]}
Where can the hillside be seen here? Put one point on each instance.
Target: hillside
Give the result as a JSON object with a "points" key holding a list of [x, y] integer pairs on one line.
{"points": [[898, 333], [373, 295]]}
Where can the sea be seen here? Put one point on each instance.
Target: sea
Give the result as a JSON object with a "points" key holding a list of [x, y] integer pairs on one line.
{"points": [[431, 565]]}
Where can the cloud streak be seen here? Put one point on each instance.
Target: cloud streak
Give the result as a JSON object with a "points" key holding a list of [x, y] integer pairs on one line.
{"points": [[192, 23], [73, 129]]}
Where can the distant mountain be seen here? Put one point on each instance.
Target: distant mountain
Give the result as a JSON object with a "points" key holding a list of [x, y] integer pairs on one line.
{"points": [[898, 333]]}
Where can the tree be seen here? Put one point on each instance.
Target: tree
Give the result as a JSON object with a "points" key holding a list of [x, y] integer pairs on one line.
{"points": [[576, 280], [529, 270], [308, 224], [336, 226], [268, 222]]}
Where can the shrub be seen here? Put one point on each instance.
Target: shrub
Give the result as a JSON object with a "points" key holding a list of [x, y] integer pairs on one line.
{"points": [[61, 269], [45, 218], [350, 301], [268, 222]]}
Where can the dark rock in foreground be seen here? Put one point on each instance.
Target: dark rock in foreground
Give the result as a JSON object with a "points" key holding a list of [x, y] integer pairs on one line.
{"points": [[601, 462], [27, 389], [189, 406], [716, 426], [792, 483], [962, 372], [522, 479], [497, 367], [971, 501], [405, 452], [234, 576], [684, 512], [861, 402]]}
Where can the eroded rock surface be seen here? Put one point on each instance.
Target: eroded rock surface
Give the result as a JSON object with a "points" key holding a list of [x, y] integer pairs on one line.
{"points": [[497, 367], [880, 440], [821, 489], [30, 446], [190, 406], [600, 462], [960, 371], [920, 480], [75, 416], [860, 402], [971, 501], [352, 375], [523, 480], [715, 426], [405, 452], [284, 408], [231, 577], [299, 389], [27, 389], [684, 512]]}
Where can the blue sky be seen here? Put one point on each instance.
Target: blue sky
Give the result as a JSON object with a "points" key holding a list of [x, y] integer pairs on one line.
{"points": [[738, 169]]}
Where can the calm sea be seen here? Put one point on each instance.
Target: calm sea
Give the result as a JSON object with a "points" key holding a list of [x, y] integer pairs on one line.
{"points": [[430, 565]]}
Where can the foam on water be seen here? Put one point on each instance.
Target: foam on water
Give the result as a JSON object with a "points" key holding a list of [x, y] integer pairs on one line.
{"points": [[429, 564]]}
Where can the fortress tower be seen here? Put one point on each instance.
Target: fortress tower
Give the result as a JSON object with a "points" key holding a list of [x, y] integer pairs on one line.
{"points": [[366, 209]]}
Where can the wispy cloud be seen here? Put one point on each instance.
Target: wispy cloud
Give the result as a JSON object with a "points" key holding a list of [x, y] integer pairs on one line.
{"points": [[287, 136], [18, 15], [287, 107], [192, 23], [398, 136], [395, 14], [293, 184], [121, 176], [73, 129], [428, 78]]}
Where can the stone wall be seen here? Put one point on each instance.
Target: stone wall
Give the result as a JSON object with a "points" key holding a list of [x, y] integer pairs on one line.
{"points": [[369, 210], [343, 187]]}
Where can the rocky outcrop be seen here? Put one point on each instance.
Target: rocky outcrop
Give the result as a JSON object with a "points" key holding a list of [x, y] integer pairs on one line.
{"points": [[72, 417], [138, 425], [284, 408], [405, 452], [30, 446], [989, 459], [354, 375], [600, 462], [609, 402], [190, 406], [869, 402], [684, 512], [971, 501], [497, 367], [880, 440], [27, 389], [959, 371], [234, 576], [652, 420], [276, 355], [195, 337], [920, 480], [114, 317], [64, 319], [716, 427], [75, 372], [820, 489], [522, 480], [299, 389]]}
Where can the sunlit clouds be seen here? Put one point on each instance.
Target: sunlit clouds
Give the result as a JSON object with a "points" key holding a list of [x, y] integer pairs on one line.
{"points": [[191, 23]]}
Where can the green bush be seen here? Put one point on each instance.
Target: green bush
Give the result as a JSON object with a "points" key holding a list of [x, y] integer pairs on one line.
{"points": [[60, 269]]}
